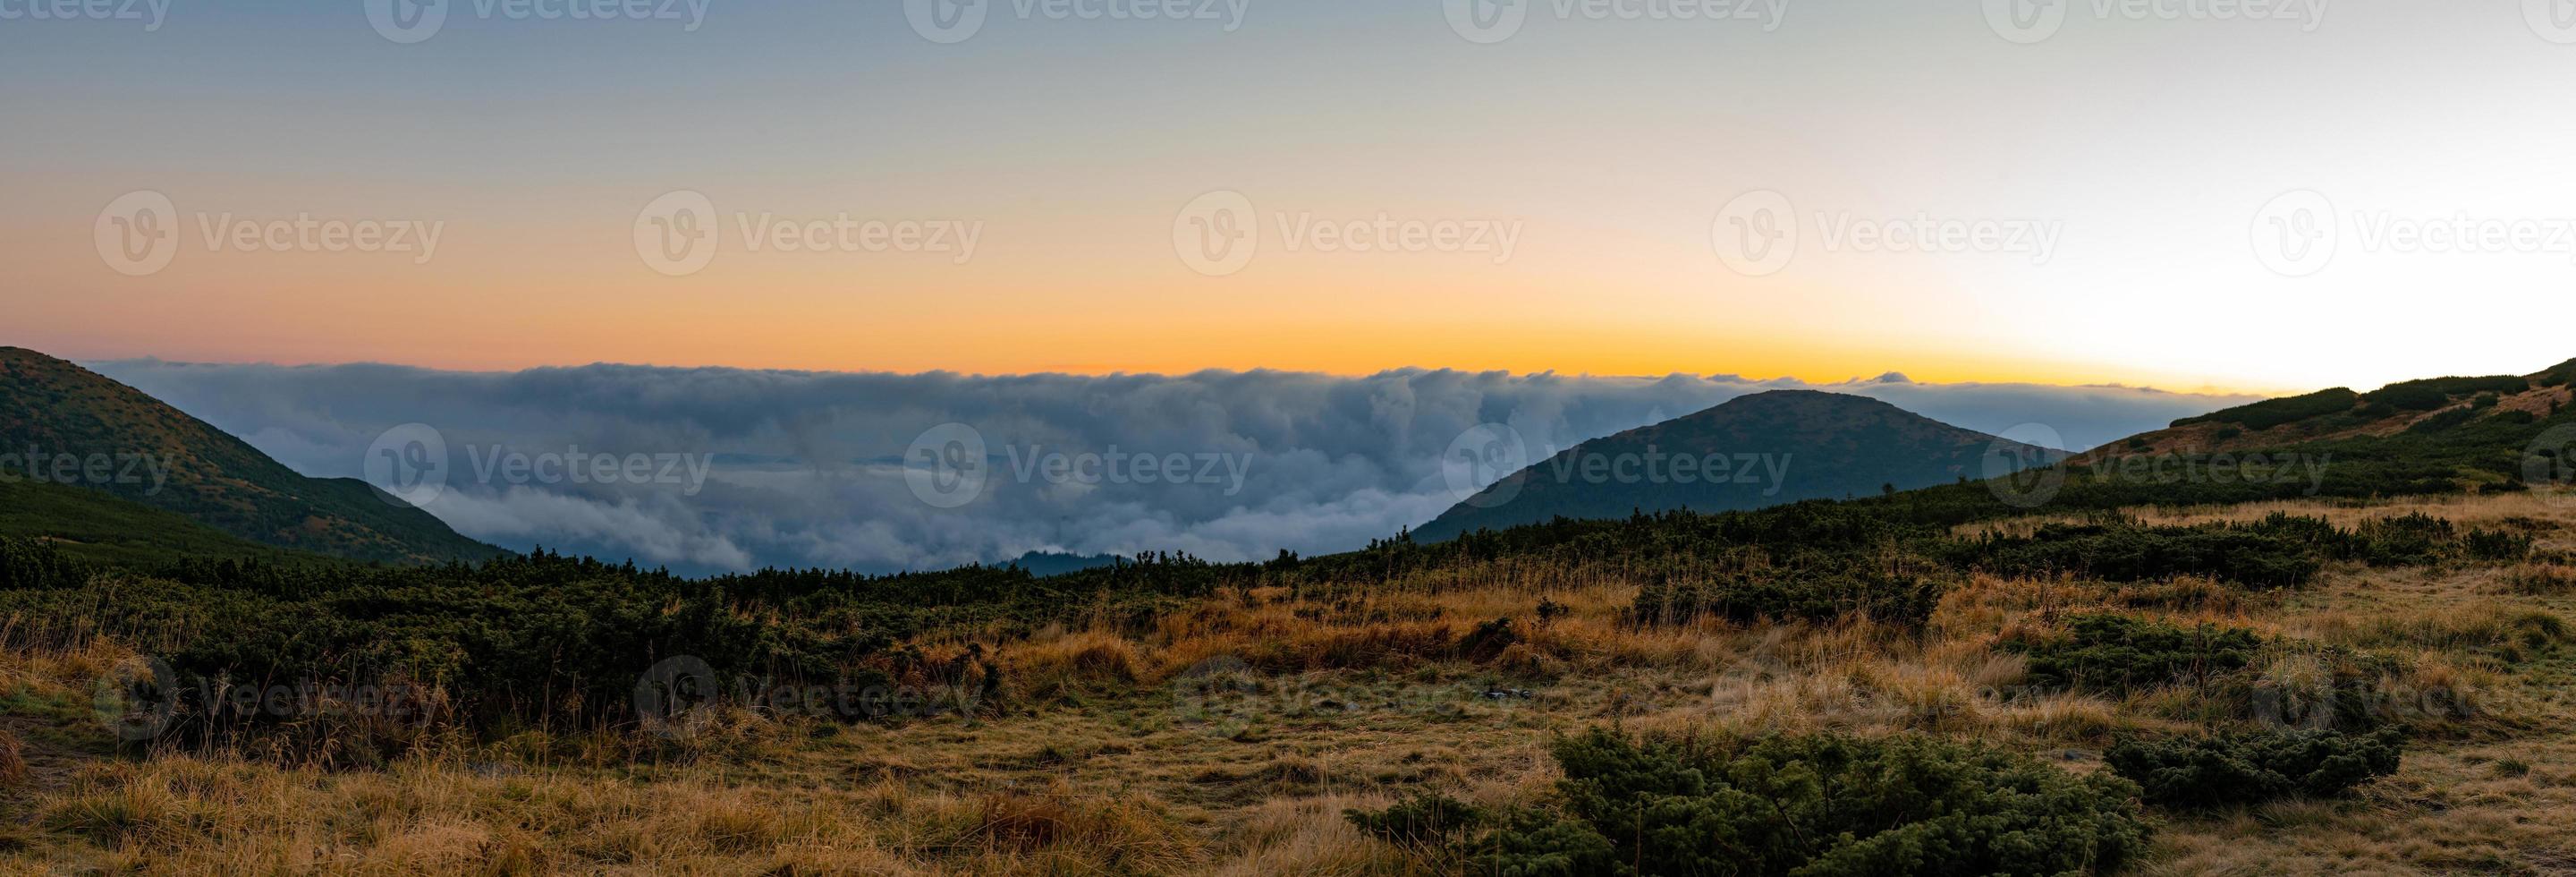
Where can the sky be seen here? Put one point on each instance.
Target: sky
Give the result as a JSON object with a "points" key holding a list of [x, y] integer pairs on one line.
{"points": [[2166, 193]]}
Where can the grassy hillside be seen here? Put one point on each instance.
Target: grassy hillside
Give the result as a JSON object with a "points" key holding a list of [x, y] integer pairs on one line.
{"points": [[157, 456], [96, 528], [1759, 450], [2422, 410]]}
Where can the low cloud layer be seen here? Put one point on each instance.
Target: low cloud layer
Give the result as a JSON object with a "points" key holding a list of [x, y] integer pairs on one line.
{"points": [[727, 469]]}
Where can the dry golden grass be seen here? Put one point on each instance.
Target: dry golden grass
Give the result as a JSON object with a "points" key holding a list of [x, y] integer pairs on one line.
{"points": [[13, 762], [1228, 738], [2497, 511]]}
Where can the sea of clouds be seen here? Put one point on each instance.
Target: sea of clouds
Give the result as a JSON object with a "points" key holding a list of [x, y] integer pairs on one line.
{"points": [[743, 469]]}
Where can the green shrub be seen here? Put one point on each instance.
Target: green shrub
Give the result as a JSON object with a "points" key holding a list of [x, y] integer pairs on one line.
{"points": [[2431, 393], [2117, 653], [2252, 767], [2442, 420], [527, 641], [2124, 552], [2496, 546], [2559, 375], [31, 565], [1812, 590], [1425, 821], [1815, 805], [2274, 412]]}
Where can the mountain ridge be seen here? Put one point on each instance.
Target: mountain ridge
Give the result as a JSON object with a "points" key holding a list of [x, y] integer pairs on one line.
{"points": [[1799, 444], [67, 425]]}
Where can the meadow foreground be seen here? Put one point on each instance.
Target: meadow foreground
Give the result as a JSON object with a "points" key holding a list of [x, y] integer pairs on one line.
{"points": [[1233, 735]]}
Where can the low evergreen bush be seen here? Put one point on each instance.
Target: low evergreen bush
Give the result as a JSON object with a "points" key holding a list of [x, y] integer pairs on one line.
{"points": [[1814, 806], [2251, 767]]}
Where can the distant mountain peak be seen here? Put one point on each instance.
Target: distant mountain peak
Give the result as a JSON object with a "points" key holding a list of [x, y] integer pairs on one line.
{"points": [[1752, 451]]}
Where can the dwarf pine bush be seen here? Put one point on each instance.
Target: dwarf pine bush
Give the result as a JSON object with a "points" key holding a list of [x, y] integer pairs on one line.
{"points": [[1812, 806], [2251, 767]]}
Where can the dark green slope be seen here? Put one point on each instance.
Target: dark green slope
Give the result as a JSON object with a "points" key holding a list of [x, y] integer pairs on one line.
{"points": [[1777, 447], [157, 456], [94, 527]]}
